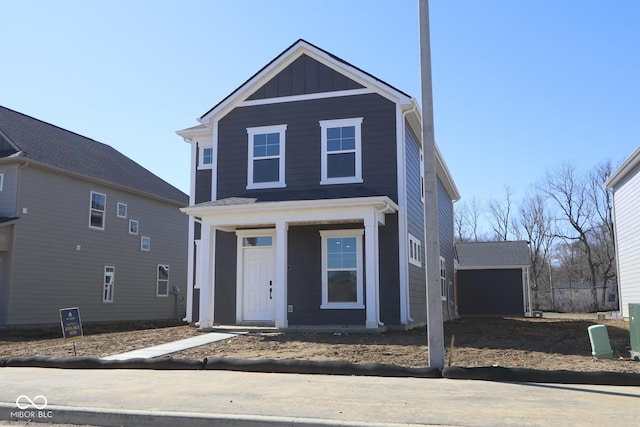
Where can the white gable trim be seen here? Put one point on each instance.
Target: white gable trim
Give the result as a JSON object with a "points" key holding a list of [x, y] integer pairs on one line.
{"points": [[306, 97], [285, 59]]}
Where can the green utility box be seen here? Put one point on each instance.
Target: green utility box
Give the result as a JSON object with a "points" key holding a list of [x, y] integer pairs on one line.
{"points": [[634, 330], [600, 345]]}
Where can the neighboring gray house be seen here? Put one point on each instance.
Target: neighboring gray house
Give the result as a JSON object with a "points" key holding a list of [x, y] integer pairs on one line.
{"points": [[492, 278], [625, 183], [307, 201], [83, 225]]}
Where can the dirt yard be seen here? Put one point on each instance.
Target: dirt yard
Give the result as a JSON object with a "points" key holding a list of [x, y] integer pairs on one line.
{"points": [[548, 344]]}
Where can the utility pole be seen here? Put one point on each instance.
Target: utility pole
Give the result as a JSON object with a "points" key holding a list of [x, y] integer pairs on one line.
{"points": [[435, 328]]}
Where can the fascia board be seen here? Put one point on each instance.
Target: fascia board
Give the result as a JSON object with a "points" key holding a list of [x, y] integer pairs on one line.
{"points": [[491, 267], [445, 175], [625, 168], [194, 132], [329, 209], [284, 60]]}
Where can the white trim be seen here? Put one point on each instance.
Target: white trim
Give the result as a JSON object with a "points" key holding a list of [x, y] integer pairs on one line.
{"points": [[306, 97], [214, 174], [356, 122], [261, 130], [358, 304], [1, 181], [137, 223], [111, 284], [415, 250], [143, 247], [91, 209], [443, 279]]}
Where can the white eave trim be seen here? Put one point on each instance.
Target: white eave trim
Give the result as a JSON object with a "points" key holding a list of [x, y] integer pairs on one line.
{"points": [[284, 60], [195, 131], [491, 267], [625, 168]]}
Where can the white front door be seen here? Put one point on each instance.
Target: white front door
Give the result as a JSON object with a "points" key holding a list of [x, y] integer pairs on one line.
{"points": [[258, 276]]}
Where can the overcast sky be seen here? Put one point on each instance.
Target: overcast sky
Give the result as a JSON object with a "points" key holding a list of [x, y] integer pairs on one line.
{"points": [[519, 86]]}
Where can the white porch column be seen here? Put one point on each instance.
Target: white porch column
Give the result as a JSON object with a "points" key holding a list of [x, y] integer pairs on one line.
{"points": [[206, 267], [371, 274], [280, 287]]}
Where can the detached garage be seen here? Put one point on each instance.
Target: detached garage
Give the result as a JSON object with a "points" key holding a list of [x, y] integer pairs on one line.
{"points": [[492, 278]]}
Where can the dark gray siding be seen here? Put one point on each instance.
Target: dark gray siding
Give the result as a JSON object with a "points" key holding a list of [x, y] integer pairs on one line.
{"points": [[389, 271], [303, 147], [305, 75], [415, 226], [59, 261], [225, 280], [8, 194], [445, 224], [203, 186], [304, 281]]}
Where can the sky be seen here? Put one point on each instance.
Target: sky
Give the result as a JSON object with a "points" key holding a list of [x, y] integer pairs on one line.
{"points": [[518, 86]]}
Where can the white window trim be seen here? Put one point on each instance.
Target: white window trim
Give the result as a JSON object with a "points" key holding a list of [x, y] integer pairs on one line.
{"points": [[421, 183], [131, 222], [201, 164], [443, 279], [142, 246], [257, 131], [326, 124], [1, 181], [112, 284], [158, 279], [358, 304], [104, 219], [415, 251], [120, 204]]}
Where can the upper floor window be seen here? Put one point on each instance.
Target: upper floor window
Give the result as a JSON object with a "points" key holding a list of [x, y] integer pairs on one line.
{"points": [[97, 207], [206, 158], [415, 251], [121, 210], [265, 167], [341, 160]]}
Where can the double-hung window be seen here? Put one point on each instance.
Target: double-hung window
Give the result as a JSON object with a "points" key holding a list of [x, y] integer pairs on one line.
{"points": [[342, 274], [107, 291], [266, 157], [415, 251], [97, 208], [341, 161], [206, 158], [162, 287]]}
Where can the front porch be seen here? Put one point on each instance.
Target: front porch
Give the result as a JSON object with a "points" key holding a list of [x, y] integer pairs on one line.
{"points": [[257, 288]]}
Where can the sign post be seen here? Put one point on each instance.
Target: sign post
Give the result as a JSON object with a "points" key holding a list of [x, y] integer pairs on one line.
{"points": [[71, 325]]}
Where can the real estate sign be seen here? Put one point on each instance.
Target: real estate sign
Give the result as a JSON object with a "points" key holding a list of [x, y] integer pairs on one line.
{"points": [[71, 324]]}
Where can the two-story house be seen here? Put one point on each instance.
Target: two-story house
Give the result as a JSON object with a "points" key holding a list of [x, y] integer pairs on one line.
{"points": [[307, 204], [82, 225]]}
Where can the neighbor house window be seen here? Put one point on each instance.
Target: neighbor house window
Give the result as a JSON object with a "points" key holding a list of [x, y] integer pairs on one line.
{"points": [[342, 281], [96, 216], [415, 251], [266, 162], [162, 287], [341, 160], [145, 243], [1, 181], [133, 226], [443, 278], [422, 176], [122, 210], [107, 291], [206, 158]]}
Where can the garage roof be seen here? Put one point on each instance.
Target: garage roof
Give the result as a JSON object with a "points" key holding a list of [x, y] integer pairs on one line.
{"points": [[493, 255]]}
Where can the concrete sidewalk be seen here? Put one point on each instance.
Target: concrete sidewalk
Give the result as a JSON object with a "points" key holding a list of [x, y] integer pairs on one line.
{"points": [[174, 346], [225, 398]]}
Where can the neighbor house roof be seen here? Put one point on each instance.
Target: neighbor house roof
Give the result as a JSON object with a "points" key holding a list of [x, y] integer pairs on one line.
{"points": [[492, 255], [33, 140], [624, 170]]}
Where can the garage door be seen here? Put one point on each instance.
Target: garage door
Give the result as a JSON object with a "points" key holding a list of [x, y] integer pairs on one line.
{"points": [[490, 292]]}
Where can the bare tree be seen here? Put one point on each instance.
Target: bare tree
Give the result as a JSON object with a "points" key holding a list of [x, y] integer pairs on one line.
{"points": [[467, 219], [500, 213], [569, 191], [537, 227]]}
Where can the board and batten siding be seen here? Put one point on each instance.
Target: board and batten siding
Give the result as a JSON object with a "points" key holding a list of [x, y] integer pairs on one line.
{"points": [[59, 260], [303, 143], [627, 232]]}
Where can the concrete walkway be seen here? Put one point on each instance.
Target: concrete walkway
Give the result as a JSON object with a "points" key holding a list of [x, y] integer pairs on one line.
{"points": [[172, 347]]}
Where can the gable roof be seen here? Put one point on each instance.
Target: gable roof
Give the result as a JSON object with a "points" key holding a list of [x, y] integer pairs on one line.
{"points": [[492, 255], [624, 170], [293, 52], [33, 140]]}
